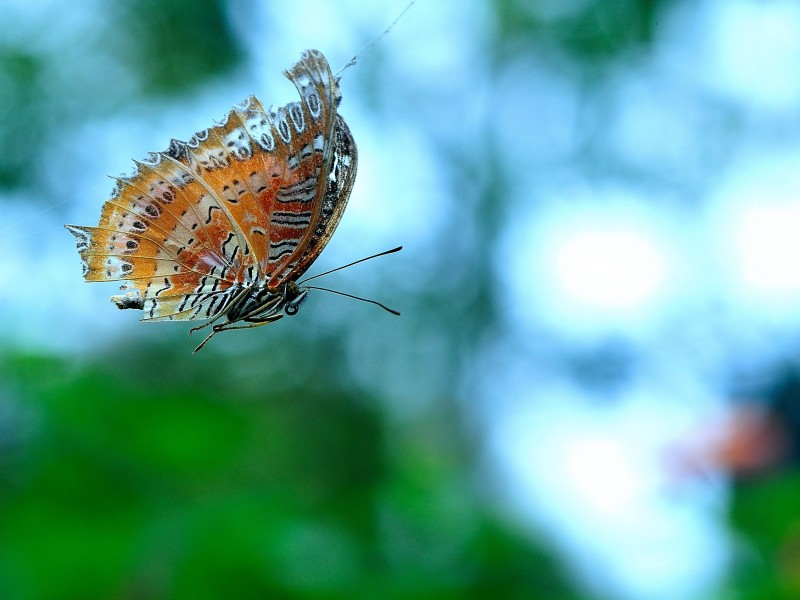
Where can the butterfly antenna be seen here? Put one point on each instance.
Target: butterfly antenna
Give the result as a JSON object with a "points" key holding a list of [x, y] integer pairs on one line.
{"points": [[384, 307], [374, 41], [355, 262]]}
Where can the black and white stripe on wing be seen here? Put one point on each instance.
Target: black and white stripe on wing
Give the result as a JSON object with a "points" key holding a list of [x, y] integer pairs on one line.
{"points": [[304, 191], [295, 220], [278, 250], [226, 254]]}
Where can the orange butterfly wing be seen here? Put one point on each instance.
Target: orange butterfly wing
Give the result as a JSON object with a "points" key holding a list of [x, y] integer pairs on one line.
{"points": [[251, 201]]}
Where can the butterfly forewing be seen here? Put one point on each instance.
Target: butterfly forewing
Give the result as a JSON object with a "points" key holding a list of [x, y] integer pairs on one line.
{"points": [[341, 176]]}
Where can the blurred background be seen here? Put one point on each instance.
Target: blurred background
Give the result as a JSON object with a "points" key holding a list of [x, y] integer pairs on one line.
{"points": [[593, 391]]}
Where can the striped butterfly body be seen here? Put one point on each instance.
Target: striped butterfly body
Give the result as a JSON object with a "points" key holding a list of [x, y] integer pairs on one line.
{"points": [[220, 228]]}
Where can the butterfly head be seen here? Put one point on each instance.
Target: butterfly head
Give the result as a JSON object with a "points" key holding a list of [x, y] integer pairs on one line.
{"points": [[293, 297]]}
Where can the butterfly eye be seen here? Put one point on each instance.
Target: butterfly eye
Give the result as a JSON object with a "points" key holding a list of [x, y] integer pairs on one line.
{"points": [[293, 305]]}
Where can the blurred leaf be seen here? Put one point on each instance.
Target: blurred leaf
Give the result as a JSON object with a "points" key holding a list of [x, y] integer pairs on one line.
{"points": [[176, 44], [21, 127], [127, 488], [766, 512], [592, 31]]}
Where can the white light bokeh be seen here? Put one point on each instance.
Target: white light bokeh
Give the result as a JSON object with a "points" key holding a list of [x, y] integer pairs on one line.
{"points": [[595, 479], [595, 262], [746, 51], [756, 220], [603, 269]]}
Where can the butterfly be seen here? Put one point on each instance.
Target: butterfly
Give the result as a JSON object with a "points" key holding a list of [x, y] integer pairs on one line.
{"points": [[221, 227]]}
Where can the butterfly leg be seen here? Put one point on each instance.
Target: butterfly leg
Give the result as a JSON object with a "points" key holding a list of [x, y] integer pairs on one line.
{"points": [[236, 298], [228, 327], [253, 322], [206, 324]]}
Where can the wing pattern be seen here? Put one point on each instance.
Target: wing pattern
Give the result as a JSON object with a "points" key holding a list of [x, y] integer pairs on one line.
{"points": [[225, 223]]}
